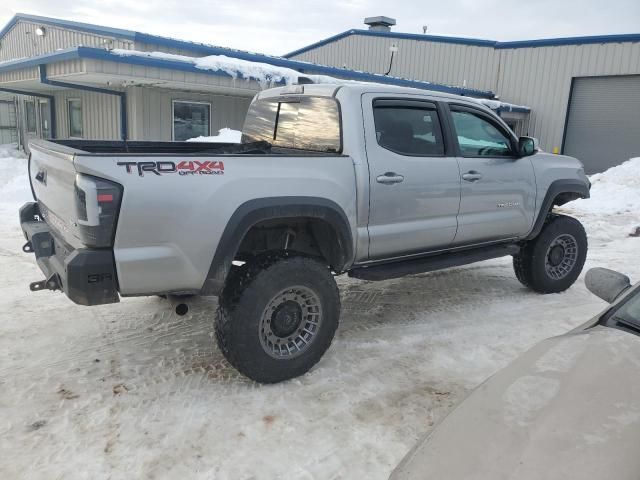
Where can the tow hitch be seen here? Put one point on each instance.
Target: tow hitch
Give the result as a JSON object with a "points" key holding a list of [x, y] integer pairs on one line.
{"points": [[52, 283]]}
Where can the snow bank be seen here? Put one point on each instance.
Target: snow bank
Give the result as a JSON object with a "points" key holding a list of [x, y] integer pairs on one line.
{"points": [[13, 174], [614, 192], [613, 211], [225, 135], [14, 187]]}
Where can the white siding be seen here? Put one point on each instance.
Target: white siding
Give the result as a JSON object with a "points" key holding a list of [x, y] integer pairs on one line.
{"points": [[151, 109], [21, 41], [100, 114], [175, 78], [8, 78]]}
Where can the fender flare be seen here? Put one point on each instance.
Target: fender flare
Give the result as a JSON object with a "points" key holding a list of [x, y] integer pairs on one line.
{"points": [[257, 210], [576, 187]]}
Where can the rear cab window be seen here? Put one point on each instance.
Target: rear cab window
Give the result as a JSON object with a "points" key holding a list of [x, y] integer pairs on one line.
{"points": [[299, 123]]}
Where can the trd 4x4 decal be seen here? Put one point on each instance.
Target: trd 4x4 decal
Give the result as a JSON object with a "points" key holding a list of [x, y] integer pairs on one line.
{"points": [[185, 167]]}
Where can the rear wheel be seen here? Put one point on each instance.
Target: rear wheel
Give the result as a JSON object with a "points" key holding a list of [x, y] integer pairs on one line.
{"points": [[552, 261], [277, 316]]}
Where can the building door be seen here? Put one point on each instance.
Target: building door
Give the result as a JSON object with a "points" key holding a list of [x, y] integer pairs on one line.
{"points": [[603, 121], [414, 186], [8, 121]]}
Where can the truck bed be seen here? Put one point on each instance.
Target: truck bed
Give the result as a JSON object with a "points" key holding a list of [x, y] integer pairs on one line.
{"points": [[159, 148]]}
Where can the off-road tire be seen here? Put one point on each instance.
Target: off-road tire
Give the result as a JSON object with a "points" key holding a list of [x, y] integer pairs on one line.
{"points": [[248, 292], [530, 264]]}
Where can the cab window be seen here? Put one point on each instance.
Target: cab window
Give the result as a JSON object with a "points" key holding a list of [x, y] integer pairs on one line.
{"points": [[478, 137], [408, 128]]}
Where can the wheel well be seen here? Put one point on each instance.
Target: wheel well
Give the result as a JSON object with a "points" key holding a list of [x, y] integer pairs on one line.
{"points": [[307, 235], [565, 197]]}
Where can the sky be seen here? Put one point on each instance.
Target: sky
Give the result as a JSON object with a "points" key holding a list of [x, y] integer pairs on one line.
{"points": [[280, 26]]}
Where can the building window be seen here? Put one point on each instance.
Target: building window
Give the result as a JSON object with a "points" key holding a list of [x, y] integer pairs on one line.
{"points": [[30, 109], [190, 120], [75, 117], [45, 118], [478, 137], [408, 128]]}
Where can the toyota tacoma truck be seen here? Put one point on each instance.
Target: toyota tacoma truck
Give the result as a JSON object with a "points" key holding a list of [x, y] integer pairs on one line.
{"points": [[370, 180]]}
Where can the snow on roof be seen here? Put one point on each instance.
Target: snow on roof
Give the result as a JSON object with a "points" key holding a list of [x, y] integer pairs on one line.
{"points": [[264, 73], [503, 106], [267, 74]]}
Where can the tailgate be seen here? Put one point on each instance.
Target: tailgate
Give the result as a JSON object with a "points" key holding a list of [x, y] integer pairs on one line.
{"points": [[52, 175]]}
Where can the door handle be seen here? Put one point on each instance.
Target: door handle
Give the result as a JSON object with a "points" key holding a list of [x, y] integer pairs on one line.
{"points": [[389, 178], [471, 176]]}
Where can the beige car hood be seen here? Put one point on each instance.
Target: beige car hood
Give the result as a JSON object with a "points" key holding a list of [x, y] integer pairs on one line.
{"points": [[569, 408]]}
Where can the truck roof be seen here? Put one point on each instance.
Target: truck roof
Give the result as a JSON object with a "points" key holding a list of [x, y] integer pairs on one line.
{"points": [[358, 88]]}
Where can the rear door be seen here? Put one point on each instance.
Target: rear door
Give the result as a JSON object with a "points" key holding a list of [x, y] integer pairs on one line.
{"points": [[498, 191], [414, 178]]}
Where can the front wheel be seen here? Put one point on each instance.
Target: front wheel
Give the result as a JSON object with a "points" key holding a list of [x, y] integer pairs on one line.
{"points": [[552, 261], [277, 317]]}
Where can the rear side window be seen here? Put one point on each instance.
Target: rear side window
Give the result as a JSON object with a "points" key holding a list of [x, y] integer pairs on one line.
{"points": [[408, 128], [478, 137], [301, 123]]}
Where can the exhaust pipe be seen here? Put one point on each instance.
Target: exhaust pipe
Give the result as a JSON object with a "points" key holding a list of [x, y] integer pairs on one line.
{"points": [[178, 304]]}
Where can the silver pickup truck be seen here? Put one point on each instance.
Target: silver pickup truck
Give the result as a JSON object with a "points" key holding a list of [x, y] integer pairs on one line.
{"points": [[370, 180]]}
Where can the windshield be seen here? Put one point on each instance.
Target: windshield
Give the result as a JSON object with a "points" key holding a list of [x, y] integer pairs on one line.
{"points": [[628, 314], [301, 123]]}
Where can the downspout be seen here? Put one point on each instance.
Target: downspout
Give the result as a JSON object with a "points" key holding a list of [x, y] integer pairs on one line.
{"points": [[122, 95], [41, 95]]}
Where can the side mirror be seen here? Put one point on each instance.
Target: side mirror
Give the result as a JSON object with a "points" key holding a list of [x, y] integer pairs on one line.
{"points": [[606, 284], [528, 146]]}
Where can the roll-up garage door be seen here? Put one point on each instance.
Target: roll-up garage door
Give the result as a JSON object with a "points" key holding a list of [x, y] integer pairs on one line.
{"points": [[603, 125]]}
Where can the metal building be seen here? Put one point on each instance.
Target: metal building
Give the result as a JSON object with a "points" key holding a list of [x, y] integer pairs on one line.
{"points": [[63, 79], [584, 92]]}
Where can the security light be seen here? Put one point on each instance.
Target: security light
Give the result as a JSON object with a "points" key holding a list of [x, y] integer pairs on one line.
{"points": [[40, 31]]}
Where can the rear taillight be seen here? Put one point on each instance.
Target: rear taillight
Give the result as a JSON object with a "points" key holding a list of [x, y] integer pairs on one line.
{"points": [[97, 206]]}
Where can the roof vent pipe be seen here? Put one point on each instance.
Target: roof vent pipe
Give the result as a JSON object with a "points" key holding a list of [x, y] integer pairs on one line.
{"points": [[380, 24]]}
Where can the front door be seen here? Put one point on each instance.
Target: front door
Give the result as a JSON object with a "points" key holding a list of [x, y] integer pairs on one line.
{"points": [[498, 191], [414, 180]]}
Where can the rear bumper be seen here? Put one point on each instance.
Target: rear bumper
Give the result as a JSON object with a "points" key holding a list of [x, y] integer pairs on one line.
{"points": [[86, 276]]}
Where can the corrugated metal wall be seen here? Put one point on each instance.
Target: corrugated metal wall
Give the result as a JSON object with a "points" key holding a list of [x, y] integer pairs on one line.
{"points": [[460, 65], [150, 113], [152, 117], [537, 77], [174, 78], [18, 76], [100, 114], [22, 41], [541, 78]]}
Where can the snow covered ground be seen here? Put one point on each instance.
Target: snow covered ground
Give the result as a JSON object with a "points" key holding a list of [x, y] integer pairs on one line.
{"points": [[225, 135], [130, 390]]}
